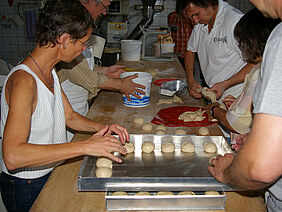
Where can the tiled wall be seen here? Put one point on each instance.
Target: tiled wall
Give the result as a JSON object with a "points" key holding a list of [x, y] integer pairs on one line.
{"points": [[13, 39]]}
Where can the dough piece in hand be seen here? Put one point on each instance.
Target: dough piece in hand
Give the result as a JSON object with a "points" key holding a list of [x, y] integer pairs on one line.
{"points": [[187, 147], [165, 193], [180, 132], [147, 127], [210, 147], [103, 172], [209, 94], [119, 193], [204, 131], [186, 193], [104, 162], [129, 147], [138, 120], [148, 147], [168, 147], [160, 132], [211, 193], [161, 127], [142, 193]]}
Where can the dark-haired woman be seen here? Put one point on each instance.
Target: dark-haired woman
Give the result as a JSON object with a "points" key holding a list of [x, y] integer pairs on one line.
{"points": [[35, 111]]}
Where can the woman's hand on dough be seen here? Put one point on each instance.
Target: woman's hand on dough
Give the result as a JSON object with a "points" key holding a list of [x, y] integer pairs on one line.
{"points": [[129, 87], [228, 101], [115, 71], [102, 144], [195, 90], [120, 131]]}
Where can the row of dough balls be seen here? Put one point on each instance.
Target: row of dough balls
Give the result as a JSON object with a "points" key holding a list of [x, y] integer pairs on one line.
{"points": [[169, 147], [146, 193], [104, 167]]}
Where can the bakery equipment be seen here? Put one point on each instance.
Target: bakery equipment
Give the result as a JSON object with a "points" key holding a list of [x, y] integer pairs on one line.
{"points": [[174, 87]]}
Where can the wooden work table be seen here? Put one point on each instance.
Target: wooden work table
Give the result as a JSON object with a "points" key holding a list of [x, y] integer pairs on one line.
{"points": [[61, 191]]}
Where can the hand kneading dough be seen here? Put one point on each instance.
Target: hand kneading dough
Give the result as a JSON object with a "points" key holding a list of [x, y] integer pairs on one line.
{"points": [[209, 94], [168, 147], [187, 147], [147, 127], [142, 193], [138, 120], [160, 132], [210, 147], [165, 193], [148, 147], [103, 172], [180, 132], [161, 127], [104, 162], [204, 131], [129, 147], [186, 193], [211, 193], [119, 193]]}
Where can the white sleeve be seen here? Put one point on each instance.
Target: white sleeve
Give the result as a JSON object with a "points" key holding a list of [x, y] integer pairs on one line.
{"points": [[193, 41]]}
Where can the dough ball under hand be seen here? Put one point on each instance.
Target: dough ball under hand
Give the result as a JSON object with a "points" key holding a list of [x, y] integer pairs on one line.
{"points": [[211, 193], [103, 172], [161, 127], [165, 193], [104, 162], [160, 132], [210, 147], [119, 193], [138, 120], [187, 147], [148, 147], [204, 131], [168, 147], [147, 127], [129, 147], [186, 193], [142, 193], [180, 132]]}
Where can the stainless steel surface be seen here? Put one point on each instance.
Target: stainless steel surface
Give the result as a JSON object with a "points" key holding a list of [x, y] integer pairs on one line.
{"points": [[176, 171], [168, 202], [171, 88]]}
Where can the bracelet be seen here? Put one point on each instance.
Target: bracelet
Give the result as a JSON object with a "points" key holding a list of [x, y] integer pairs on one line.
{"points": [[212, 109]]}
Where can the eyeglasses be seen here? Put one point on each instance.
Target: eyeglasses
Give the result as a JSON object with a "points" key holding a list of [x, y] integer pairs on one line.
{"points": [[104, 6], [87, 43]]}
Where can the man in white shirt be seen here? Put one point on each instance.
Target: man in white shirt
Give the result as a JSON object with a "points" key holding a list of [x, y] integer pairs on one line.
{"points": [[213, 40]]}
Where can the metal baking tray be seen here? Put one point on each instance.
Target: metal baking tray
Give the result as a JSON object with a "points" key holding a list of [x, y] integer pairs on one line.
{"points": [[170, 88], [199, 201], [158, 171]]}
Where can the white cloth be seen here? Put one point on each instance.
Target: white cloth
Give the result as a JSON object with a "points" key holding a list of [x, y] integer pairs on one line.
{"points": [[219, 56], [267, 99], [48, 125]]}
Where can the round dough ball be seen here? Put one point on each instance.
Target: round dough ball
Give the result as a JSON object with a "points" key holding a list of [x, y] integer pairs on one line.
{"points": [[160, 132], [119, 193], [187, 147], [148, 147], [129, 147], [165, 193], [211, 193], [147, 127], [204, 131], [103, 172], [168, 147], [104, 162], [186, 193], [161, 127], [180, 132], [210, 147], [138, 120], [142, 193]]}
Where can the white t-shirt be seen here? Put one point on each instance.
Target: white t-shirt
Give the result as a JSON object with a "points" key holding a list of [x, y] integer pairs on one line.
{"points": [[220, 58], [267, 99]]}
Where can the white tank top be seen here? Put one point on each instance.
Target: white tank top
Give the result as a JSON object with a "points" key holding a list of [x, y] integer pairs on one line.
{"points": [[48, 125]]}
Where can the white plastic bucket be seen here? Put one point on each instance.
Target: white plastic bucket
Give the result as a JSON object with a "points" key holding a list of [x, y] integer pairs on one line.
{"points": [[143, 78], [131, 50], [166, 48]]}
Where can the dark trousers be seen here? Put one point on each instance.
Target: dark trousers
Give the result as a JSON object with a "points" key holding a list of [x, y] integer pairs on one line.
{"points": [[19, 194]]}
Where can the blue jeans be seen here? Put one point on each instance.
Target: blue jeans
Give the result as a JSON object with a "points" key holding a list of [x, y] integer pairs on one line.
{"points": [[18, 194]]}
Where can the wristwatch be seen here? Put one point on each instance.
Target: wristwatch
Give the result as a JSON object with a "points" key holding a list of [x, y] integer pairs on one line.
{"points": [[212, 109]]}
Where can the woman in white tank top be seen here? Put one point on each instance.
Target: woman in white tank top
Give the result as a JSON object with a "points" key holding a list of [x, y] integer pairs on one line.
{"points": [[35, 111]]}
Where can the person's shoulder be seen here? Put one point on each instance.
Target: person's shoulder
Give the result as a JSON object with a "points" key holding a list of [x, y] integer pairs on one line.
{"points": [[230, 14], [22, 79]]}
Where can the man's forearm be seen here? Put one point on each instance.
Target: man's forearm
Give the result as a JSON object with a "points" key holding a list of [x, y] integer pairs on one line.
{"points": [[189, 66], [111, 84]]}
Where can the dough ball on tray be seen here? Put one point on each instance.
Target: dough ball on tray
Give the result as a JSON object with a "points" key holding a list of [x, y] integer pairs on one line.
{"points": [[119, 193], [187, 147], [204, 131], [129, 147], [161, 127], [180, 132], [168, 147], [210, 147], [147, 127], [142, 193], [148, 147], [211, 193], [165, 193], [104, 162], [160, 132], [186, 193], [103, 172]]}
